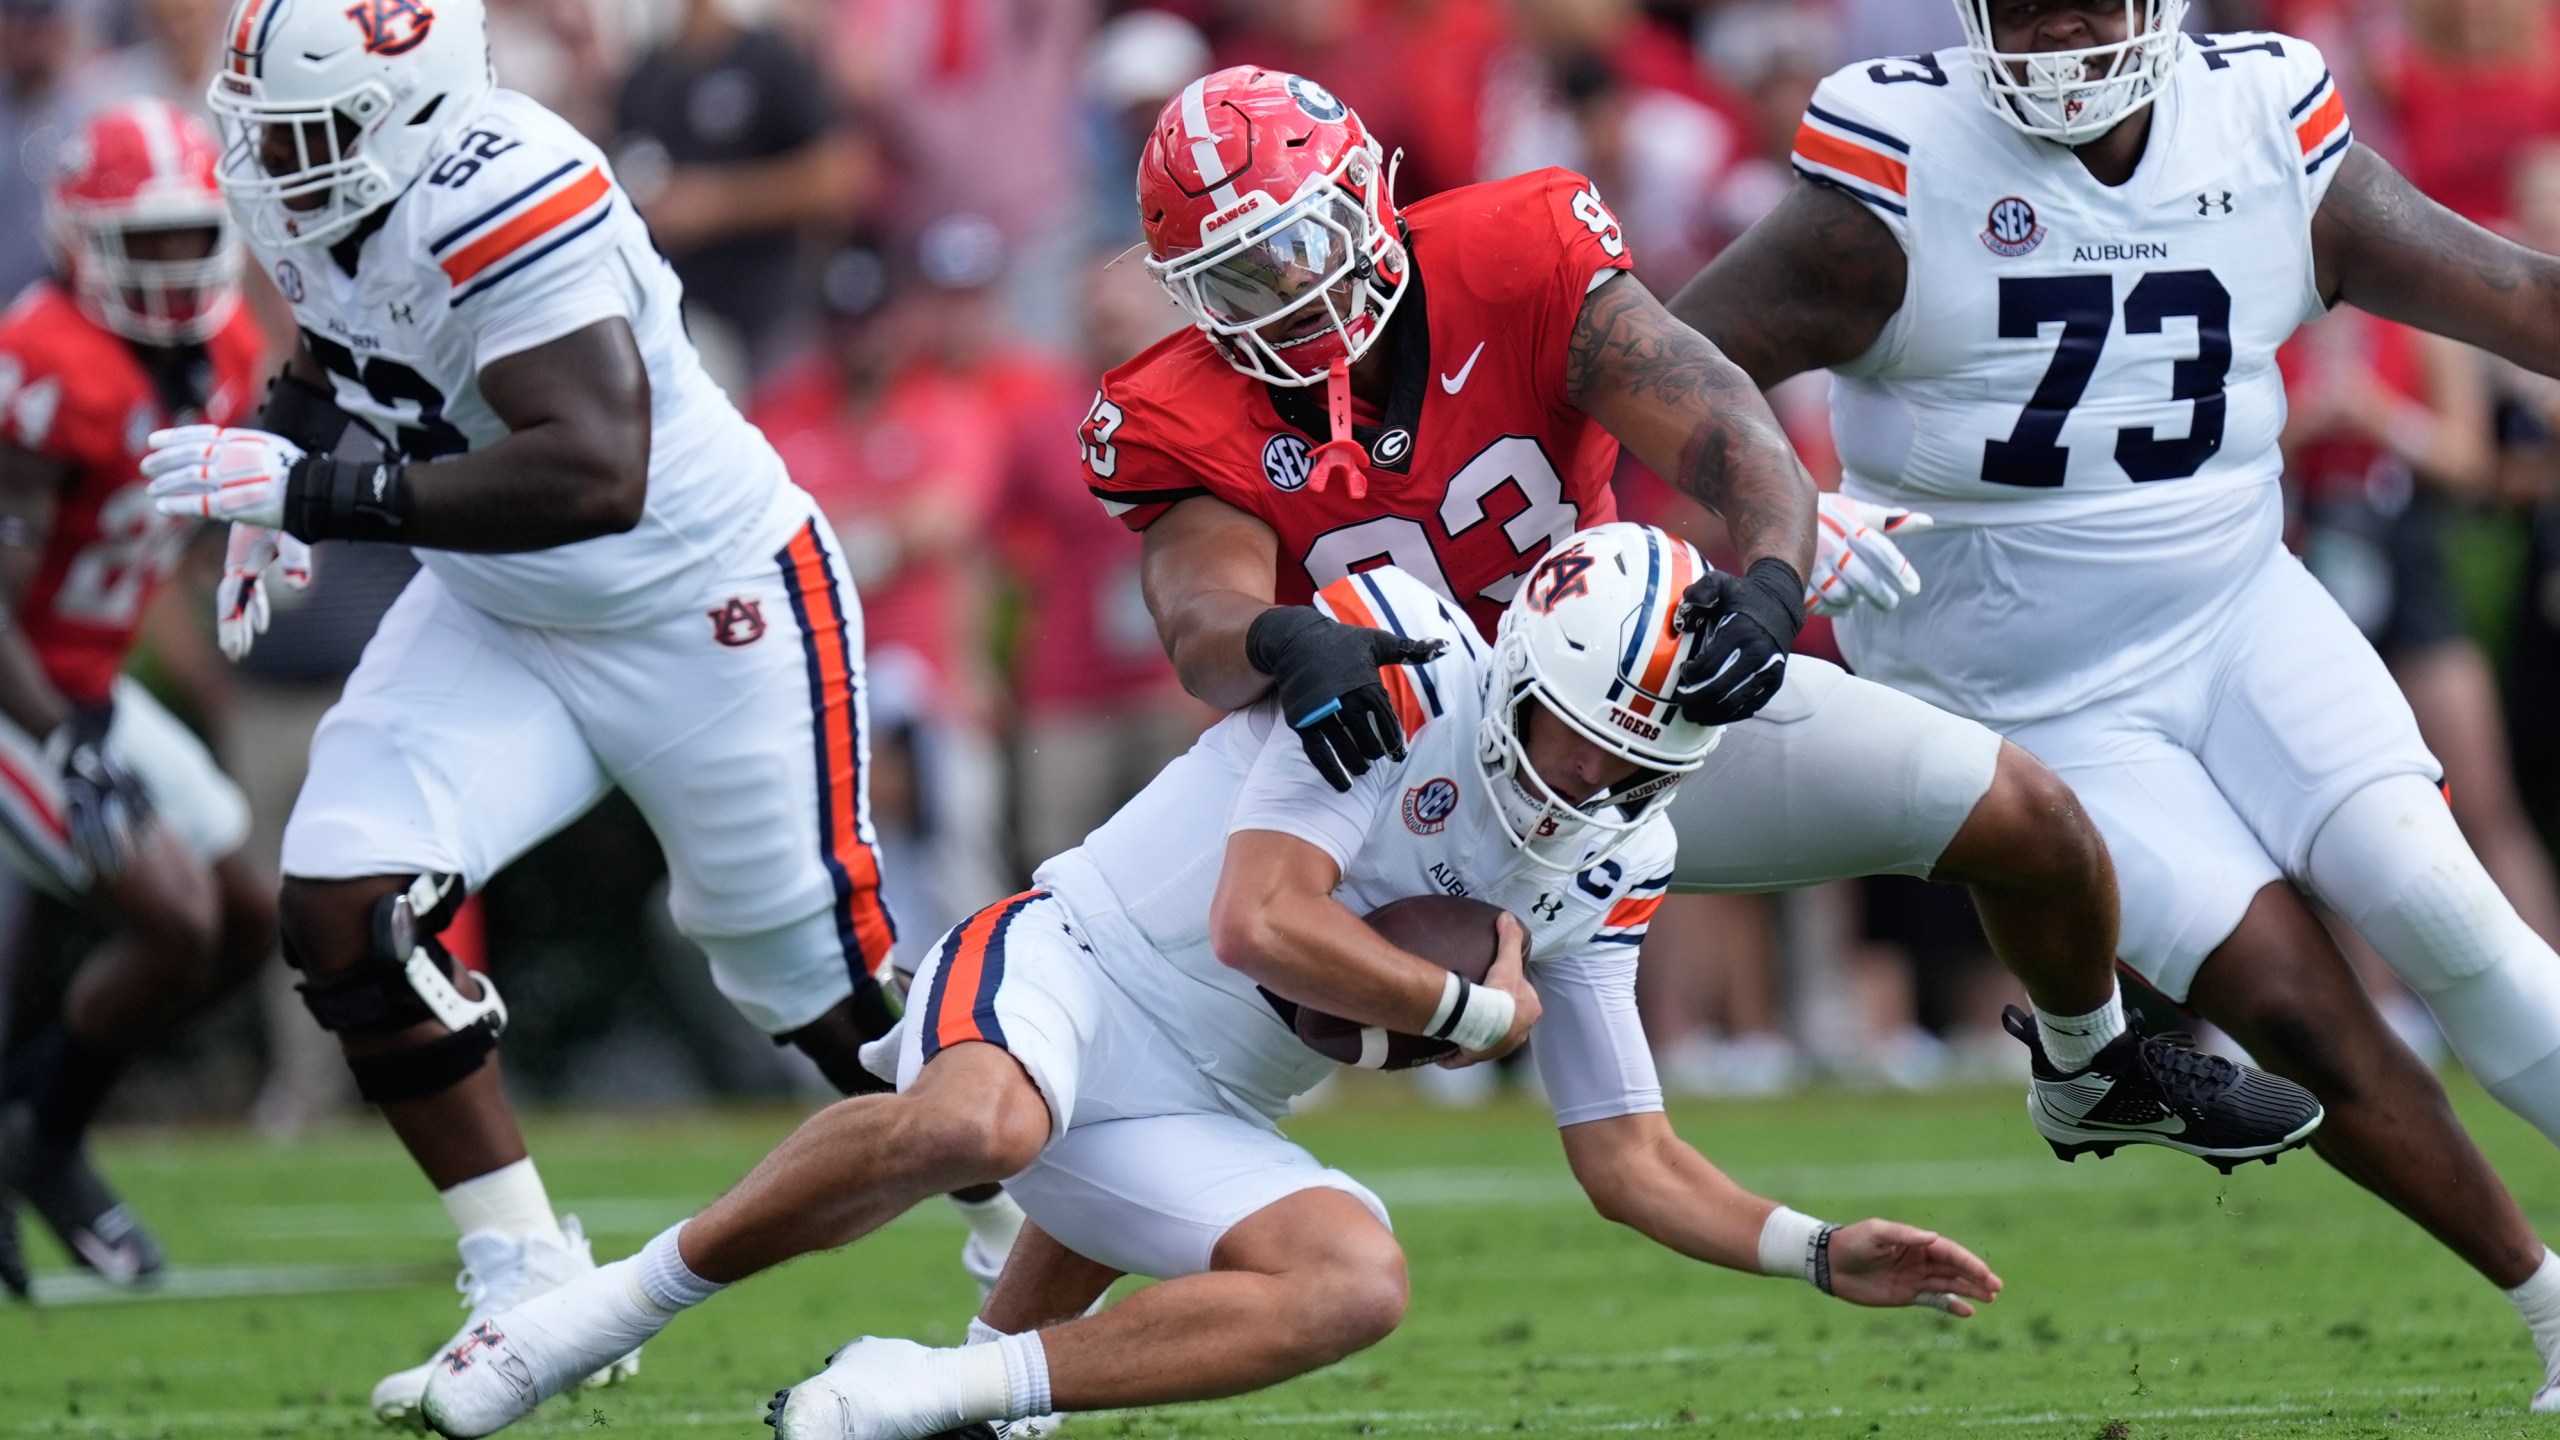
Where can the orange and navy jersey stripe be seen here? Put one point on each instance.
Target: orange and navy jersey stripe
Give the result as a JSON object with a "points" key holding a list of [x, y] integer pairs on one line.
{"points": [[1866, 162], [845, 840], [1648, 666], [523, 228], [1632, 911], [1411, 689], [962, 1006], [2320, 124]]}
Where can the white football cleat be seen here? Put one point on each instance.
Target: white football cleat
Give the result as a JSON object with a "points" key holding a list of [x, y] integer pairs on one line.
{"points": [[868, 1391], [498, 1273], [517, 1358], [2546, 1401]]}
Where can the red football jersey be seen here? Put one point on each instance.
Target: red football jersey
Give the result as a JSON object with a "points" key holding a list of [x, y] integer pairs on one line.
{"points": [[75, 393], [1478, 463]]}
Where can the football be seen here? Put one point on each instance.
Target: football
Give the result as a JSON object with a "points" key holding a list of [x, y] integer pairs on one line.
{"points": [[1454, 933]]}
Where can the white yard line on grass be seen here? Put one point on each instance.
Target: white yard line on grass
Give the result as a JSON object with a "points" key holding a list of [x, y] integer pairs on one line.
{"points": [[225, 1282]]}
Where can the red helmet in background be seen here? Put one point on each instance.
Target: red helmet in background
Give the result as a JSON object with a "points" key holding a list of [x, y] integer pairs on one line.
{"points": [[1268, 217], [144, 237]]}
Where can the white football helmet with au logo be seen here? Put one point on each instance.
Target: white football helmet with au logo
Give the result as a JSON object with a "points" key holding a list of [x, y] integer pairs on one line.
{"points": [[1592, 637], [330, 110]]}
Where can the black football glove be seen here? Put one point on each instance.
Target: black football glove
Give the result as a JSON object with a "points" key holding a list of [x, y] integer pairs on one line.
{"points": [[1750, 620], [1327, 675], [103, 803]]}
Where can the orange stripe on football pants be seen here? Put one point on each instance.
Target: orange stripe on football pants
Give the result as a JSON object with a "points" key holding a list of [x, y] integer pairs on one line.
{"points": [[862, 919]]}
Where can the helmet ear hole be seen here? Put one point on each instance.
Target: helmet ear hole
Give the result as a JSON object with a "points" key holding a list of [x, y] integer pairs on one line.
{"points": [[428, 111]]}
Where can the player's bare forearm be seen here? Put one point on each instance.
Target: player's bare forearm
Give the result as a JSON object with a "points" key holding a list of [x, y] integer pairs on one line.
{"points": [[1694, 417], [1643, 1176], [29, 485], [575, 464], [2381, 245], [1275, 920], [1208, 570], [1810, 286]]}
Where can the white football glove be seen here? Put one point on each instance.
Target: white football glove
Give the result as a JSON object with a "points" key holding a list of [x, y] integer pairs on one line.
{"points": [[256, 561], [220, 474], [1854, 563]]}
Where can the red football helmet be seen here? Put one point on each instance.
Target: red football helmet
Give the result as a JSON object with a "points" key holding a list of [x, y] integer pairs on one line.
{"points": [[1268, 217], [143, 234]]}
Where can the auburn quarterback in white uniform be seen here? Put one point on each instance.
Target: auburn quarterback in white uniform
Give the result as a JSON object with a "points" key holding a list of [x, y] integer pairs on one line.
{"points": [[2050, 271], [621, 586], [1116, 1039]]}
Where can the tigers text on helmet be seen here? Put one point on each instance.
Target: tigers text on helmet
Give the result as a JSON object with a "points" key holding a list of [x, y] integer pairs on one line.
{"points": [[330, 110], [144, 237], [2074, 96], [1267, 215], [1592, 637]]}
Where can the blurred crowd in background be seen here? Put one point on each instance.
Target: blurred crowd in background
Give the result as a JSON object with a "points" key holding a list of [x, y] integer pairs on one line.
{"points": [[896, 222]]}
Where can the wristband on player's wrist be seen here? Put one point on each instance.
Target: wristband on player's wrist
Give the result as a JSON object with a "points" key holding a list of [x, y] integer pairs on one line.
{"points": [[326, 498], [1794, 1243], [1471, 1016]]}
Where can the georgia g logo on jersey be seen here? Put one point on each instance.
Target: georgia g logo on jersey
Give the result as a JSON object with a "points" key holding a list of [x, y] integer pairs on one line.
{"points": [[392, 27]]}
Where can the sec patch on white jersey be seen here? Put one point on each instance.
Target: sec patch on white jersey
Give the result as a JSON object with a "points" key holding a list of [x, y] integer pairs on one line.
{"points": [[514, 236], [2066, 347]]}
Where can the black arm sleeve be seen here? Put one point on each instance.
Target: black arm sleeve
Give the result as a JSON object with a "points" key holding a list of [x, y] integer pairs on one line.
{"points": [[302, 413]]}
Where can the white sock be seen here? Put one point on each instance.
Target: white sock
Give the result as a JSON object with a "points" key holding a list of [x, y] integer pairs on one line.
{"points": [[1004, 1379], [2538, 1301], [994, 1220], [509, 1200], [666, 1280], [2072, 1041]]}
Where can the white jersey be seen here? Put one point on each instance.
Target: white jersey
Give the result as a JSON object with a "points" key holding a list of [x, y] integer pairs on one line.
{"points": [[2087, 372], [1142, 883], [514, 236]]}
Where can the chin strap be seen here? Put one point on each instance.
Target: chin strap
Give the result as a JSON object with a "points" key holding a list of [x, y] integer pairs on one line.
{"points": [[1341, 452]]}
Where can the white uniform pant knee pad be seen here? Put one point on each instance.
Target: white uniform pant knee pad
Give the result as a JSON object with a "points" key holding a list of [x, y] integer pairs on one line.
{"points": [[2393, 864]]}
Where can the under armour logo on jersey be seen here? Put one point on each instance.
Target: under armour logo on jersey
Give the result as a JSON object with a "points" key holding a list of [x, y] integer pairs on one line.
{"points": [[1547, 906], [2206, 202], [392, 27], [401, 314], [738, 623]]}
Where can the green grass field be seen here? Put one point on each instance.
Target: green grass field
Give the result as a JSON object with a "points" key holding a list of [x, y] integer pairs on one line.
{"points": [[2148, 1295]]}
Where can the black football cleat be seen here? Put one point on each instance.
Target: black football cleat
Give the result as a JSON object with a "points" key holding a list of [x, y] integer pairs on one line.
{"points": [[76, 1204], [2161, 1090]]}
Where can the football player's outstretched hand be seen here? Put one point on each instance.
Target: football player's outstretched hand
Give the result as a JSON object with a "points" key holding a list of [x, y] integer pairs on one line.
{"points": [[1326, 674], [103, 803], [1880, 1262], [215, 473], [257, 560], [1749, 620], [1855, 561]]}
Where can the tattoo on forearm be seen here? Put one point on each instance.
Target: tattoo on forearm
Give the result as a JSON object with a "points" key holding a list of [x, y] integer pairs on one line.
{"points": [[2384, 246], [1735, 458]]}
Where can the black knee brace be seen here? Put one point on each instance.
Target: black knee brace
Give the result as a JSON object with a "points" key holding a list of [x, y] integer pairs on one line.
{"points": [[406, 978]]}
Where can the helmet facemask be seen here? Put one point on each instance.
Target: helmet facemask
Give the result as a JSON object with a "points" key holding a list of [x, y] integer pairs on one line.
{"points": [[1553, 832], [297, 175], [129, 279], [1286, 290], [2075, 96]]}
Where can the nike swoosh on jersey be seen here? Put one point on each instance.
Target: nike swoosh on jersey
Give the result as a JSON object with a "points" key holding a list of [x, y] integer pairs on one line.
{"points": [[1458, 382]]}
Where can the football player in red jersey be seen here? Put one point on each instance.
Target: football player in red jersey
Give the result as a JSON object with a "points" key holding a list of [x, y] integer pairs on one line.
{"points": [[106, 801]]}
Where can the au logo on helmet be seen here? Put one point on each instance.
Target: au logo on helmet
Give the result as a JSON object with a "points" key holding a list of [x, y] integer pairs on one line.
{"points": [[1564, 576], [392, 27]]}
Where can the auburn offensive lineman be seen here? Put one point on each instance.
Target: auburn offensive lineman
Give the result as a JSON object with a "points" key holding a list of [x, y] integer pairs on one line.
{"points": [[1119, 1040], [2050, 271], [621, 587], [106, 801]]}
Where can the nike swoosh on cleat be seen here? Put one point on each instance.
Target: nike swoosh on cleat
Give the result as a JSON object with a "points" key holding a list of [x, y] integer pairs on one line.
{"points": [[1455, 383]]}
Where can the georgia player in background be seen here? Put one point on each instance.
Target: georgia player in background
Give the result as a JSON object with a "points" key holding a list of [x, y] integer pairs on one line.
{"points": [[620, 587], [2051, 270], [106, 801]]}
